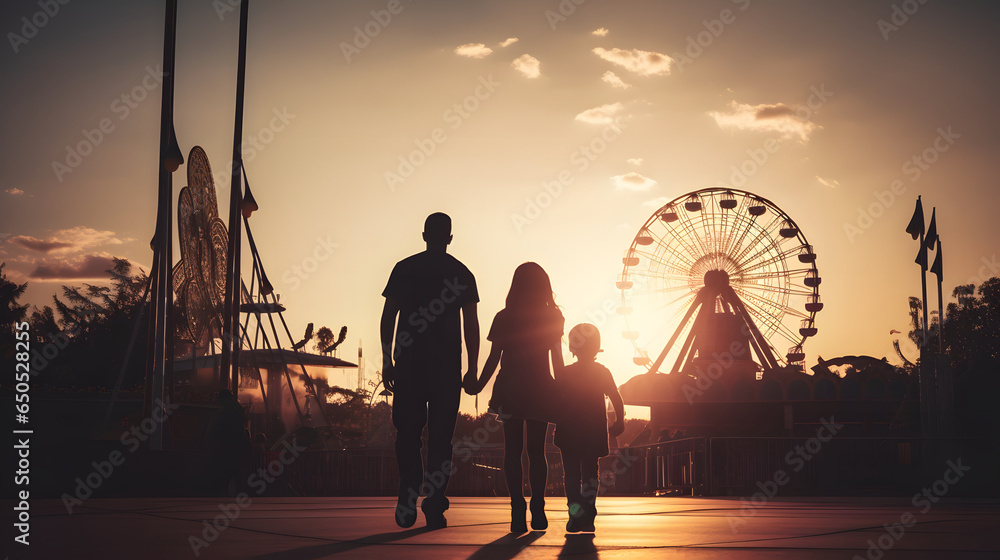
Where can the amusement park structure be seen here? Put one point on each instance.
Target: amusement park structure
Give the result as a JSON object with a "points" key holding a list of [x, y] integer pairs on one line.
{"points": [[714, 286], [209, 327]]}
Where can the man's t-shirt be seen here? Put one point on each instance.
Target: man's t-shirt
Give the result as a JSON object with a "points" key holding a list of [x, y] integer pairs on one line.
{"points": [[430, 287]]}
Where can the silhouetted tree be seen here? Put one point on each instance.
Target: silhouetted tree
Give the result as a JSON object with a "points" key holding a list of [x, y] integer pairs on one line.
{"points": [[324, 338], [87, 332], [972, 325], [11, 313], [10, 310]]}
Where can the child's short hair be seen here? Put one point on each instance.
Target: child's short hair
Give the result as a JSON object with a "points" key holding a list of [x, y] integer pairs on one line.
{"points": [[584, 339]]}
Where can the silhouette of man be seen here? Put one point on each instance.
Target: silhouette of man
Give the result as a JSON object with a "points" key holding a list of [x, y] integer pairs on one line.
{"points": [[432, 293]]}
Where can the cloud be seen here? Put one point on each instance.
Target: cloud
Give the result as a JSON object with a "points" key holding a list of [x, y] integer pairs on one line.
{"points": [[635, 161], [508, 42], [605, 114], [780, 118], [40, 245], [67, 240], [633, 181], [600, 32], [473, 50], [14, 191], [88, 267], [832, 183], [644, 63], [527, 65], [610, 77]]}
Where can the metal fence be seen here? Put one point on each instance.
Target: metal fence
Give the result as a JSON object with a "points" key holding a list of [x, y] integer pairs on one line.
{"points": [[693, 466]]}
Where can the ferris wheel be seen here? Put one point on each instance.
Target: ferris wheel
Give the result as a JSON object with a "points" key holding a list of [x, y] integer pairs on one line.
{"points": [[732, 255]]}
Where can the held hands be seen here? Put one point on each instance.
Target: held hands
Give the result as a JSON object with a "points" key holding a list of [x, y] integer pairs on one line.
{"points": [[617, 428], [471, 383]]}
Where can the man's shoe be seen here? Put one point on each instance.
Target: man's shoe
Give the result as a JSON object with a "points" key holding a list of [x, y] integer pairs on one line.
{"points": [[405, 516]]}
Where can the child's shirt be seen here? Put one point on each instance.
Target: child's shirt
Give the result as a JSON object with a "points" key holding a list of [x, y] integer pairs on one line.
{"points": [[583, 425]]}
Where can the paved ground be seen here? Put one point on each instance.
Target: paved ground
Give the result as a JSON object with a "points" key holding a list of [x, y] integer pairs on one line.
{"points": [[669, 527]]}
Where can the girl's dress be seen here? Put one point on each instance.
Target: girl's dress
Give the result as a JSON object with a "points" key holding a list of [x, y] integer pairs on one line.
{"points": [[524, 387]]}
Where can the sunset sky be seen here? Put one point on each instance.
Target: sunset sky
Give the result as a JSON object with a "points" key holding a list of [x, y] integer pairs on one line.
{"points": [[624, 105]]}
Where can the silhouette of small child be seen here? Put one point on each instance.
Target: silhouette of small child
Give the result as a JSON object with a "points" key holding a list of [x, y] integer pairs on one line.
{"points": [[582, 432]]}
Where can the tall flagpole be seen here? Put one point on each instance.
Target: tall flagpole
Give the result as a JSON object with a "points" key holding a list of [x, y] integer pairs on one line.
{"points": [[944, 374], [936, 269], [160, 338], [924, 380], [229, 371]]}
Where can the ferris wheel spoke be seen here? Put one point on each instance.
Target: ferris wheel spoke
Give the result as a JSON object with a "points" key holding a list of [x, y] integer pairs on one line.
{"points": [[764, 233], [755, 261], [666, 290], [709, 226], [775, 289], [690, 231], [667, 268], [673, 251], [778, 307], [737, 250], [774, 324], [666, 244], [742, 209], [762, 275]]}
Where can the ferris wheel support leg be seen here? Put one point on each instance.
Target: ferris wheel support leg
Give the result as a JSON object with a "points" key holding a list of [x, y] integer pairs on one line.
{"points": [[698, 300], [757, 339], [696, 328]]}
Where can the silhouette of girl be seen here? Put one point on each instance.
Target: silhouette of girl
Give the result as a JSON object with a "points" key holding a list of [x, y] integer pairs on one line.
{"points": [[523, 335]]}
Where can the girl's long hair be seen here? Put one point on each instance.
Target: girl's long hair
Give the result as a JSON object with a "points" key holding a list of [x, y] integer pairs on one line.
{"points": [[530, 289]]}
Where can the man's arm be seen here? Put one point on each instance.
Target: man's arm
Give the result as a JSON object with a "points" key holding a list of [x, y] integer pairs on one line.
{"points": [[470, 325], [387, 326]]}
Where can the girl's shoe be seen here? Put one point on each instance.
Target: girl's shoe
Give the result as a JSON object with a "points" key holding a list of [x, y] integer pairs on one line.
{"points": [[538, 520], [518, 517]]}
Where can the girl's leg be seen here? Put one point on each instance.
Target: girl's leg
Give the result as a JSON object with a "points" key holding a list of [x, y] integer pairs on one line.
{"points": [[538, 471], [513, 443]]}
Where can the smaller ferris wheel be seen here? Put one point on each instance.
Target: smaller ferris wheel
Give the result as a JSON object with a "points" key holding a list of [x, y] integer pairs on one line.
{"points": [[715, 269]]}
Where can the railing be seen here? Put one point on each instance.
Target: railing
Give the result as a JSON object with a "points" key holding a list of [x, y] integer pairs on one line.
{"points": [[676, 466], [691, 466], [809, 466]]}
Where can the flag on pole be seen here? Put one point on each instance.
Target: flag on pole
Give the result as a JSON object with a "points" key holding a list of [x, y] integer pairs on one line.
{"points": [[922, 257], [916, 225], [931, 237], [936, 267]]}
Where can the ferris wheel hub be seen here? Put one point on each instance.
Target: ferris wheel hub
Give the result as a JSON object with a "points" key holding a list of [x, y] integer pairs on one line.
{"points": [[716, 279]]}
